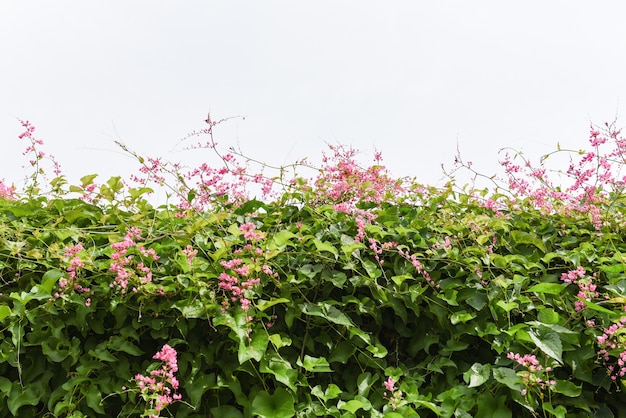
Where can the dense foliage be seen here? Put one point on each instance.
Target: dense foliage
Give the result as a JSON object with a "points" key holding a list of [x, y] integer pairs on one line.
{"points": [[350, 294]]}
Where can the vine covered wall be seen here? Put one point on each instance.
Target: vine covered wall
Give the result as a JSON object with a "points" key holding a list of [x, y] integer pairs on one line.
{"points": [[349, 294]]}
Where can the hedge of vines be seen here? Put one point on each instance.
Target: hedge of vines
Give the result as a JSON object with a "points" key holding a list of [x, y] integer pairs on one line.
{"points": [[338, 297]]}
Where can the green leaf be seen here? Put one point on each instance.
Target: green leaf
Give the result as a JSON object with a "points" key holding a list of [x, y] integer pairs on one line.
{"points": [[280, 341], [281, 369], [452, 346], [250, 206], [558, 412], [311, 270], [439, 363], [325, 246], [598, 308], [23, 396], [262, 305], [581, 362], [101, 353], [5, 385], [522, 237], [49, 280], [449, 295], [377, 350], [336, 316], [353, 405], [553, 327], [197, 385], [492, 407], [349, 249], [283, 238], [515, 329], [115, 183], [372, 269], [56, 350], [365, 381], [136, 192], [278, 405], [117, 343], [507, 306], [548, 316], [331, 392], [4, 311], [477, 374], [328, 312], [461, 317], [477, 300], [568, 388], [314, 364], [226, 411], [548, 342], [342, 352], [508, 377], [94, 399], [482, 239], [88, 179], [337, 278], [74, 381], [547, 288], [255, 349], [191, 309]]}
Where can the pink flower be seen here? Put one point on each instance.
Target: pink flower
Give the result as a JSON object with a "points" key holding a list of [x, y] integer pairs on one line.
{"points": [[160, 385], [190, 253], [6, 192], [249, 232], [390, 384]]}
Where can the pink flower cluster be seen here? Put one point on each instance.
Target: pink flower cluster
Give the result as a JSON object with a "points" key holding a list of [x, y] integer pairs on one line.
{"points": [[88, 192], [532, 377], [75, 264], [572, 276], [205, 186], [344, 184], [36, 155], [390, 384], [124, 265], [362, 218], [587, 289], [342, 180], [249, 232], [231, 181], [268, 271], [418, 266], [238, 285], [29, 130], [6, 192], [591, 182], [444, 245], [395, 396], [378, 248], [527, 360], [190, 253], [160, 386], [613, 343], [593, 178]]}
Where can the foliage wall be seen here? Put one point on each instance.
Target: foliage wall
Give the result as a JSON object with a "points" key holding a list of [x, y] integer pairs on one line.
{"points": [[353, 294]]}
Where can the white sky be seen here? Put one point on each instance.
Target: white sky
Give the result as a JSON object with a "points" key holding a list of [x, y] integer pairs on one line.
{"points": [[409, 78]]}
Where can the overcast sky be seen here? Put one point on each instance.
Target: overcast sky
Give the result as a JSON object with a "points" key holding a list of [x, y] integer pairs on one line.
{"points": [[409, 78]]}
